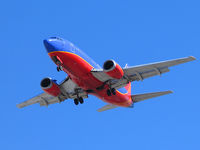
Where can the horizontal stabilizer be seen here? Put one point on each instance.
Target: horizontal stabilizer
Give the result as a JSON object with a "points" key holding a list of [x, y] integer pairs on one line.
{"points": [[141, 97], [106, 107]]}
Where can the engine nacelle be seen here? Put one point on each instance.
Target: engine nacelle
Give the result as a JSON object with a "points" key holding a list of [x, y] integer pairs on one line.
{"points": [[49, 86], [112, 69]]}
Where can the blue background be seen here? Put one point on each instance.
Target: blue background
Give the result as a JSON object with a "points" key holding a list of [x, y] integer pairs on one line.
{"points": [[128, 31]]}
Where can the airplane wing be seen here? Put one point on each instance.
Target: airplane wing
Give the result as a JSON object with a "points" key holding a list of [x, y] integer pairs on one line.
{"points": [[43, 99], [144, 71], [140, 72], [68, 89]]}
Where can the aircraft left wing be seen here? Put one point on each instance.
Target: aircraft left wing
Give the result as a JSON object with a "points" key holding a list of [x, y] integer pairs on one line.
{"points": [[145, 71], [68, 89], [140, 72]]}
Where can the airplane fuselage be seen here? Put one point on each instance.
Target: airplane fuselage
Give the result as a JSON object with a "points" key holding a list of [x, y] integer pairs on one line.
{"points": [[78, 66]]}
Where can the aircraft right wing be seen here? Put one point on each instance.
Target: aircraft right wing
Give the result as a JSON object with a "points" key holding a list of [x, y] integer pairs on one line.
{"points": [[43, 99]]}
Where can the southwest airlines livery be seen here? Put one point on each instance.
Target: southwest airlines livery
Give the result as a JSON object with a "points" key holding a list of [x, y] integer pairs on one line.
{"points": [[112, 84]]}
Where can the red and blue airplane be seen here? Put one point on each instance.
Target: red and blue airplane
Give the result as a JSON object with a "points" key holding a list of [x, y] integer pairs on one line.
{"points": [[111, 83]]}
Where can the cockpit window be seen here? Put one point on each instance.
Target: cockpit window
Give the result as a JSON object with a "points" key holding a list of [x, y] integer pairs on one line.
{"points": [[57, 38]]}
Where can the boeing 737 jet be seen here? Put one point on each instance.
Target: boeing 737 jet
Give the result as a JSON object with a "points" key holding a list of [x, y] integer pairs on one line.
{"points": [[112, 83]]}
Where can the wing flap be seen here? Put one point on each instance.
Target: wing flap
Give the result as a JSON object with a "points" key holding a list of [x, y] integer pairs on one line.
{"points": [[141, 97]]}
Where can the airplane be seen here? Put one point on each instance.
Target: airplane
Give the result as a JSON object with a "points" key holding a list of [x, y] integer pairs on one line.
{"points": [[112, 83]]}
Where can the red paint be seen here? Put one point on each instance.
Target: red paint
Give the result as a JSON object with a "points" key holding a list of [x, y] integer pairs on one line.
{"points": [[53, 90], [116, 73], [80, 72]]}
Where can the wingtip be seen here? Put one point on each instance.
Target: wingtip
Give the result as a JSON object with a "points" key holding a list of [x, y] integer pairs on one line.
{"points": [[168, 92], [19, 106], [192, 58], [171, 92]]}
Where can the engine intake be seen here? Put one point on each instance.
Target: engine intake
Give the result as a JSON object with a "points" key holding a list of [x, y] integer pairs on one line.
{"points": [[112, 69], [49, 86]]}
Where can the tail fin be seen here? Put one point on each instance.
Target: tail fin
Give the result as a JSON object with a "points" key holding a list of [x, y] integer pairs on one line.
{"points": [[141, 97]]}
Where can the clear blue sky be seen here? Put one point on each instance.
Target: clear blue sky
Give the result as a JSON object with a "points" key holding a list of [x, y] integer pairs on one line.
{"points": [[133, 32]]}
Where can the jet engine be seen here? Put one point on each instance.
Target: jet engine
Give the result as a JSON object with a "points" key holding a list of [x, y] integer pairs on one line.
{"points": [[112, 69], [50, 86]]}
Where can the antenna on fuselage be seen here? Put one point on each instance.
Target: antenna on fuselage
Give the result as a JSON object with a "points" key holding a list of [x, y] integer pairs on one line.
{"points": [[126, 66]]}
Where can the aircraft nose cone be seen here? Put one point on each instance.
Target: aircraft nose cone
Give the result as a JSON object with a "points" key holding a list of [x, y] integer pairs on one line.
{"points": [[48, 45], [53, 44]]}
